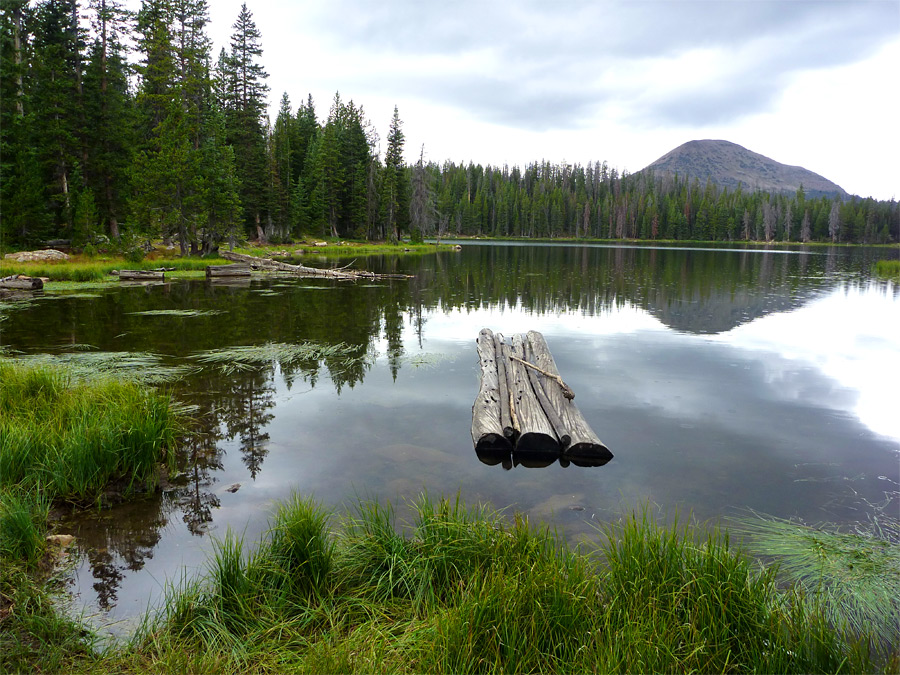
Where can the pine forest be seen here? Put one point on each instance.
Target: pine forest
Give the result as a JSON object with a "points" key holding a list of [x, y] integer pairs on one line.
{"points": [[125, 127]]}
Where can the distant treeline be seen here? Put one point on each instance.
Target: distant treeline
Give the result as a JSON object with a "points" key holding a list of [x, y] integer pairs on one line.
{"points": [[118, 126]]}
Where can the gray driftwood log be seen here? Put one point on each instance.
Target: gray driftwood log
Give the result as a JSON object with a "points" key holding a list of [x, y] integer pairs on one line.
{"points": [[22, 282], [141, 275], [304, 271], [524, 412], [487, 432], [583, 442], [236, 270], [536, 434]]}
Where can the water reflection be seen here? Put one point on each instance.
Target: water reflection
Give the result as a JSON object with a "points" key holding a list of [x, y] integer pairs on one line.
{"points": [[728, 379]]}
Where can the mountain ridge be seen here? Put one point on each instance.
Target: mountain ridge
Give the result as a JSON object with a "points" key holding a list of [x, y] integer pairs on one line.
{"points": [[728, 165]]}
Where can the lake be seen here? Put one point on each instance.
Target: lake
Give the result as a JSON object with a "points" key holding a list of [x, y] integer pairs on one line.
{"points": [[723, 381]]}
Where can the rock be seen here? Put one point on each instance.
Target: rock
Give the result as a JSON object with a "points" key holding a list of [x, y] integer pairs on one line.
{"points": [[60, 540], [47, 255], [233, 488]]}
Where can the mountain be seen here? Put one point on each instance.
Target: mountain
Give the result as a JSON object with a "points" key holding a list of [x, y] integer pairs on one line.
{"points": [[728, 164]]}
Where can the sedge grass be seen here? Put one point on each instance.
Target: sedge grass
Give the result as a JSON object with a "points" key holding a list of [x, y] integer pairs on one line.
{"points": [[94, 269], [888, 268], [85, 366], [464, 590], [68, 439], [232, 359], [855, 575]]}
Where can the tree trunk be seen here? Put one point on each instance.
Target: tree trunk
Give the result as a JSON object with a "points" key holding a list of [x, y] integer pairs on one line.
{"points": [[535, 431]]}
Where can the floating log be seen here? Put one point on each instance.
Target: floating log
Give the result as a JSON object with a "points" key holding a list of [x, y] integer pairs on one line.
{"points": [[487, 433], [141, 275], [583, 442], [536, 434], [22, 282], [524, 410], [506, 420], [304, 271], [236, 270]]}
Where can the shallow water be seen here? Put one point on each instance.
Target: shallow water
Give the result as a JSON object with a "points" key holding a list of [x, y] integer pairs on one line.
{"points": [[721, 380]]}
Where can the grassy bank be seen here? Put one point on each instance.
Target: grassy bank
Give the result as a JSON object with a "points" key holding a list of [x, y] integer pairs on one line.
{"points": [[63, 439], [341, 248], [83, 268]]}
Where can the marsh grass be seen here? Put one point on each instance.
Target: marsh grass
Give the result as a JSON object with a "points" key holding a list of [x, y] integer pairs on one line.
{"points": [[85, 365], [462, 589], [233, 359], [69, 439], [888, 268], [98, 269], [855, 575], [179, 313]]}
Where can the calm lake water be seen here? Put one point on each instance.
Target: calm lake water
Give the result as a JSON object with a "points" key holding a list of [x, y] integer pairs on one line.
{"points": [[722, 381]]}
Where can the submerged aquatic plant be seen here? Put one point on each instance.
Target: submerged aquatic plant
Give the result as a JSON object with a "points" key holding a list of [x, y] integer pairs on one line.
{"points": [[855, 575], [246, 357], [179, 312], [142, 367]]}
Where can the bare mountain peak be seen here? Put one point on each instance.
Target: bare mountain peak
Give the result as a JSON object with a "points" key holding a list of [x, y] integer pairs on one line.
{"points": [[728, 164]]}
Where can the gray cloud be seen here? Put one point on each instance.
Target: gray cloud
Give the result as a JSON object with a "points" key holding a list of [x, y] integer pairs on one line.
{"points": [[543, 62]]}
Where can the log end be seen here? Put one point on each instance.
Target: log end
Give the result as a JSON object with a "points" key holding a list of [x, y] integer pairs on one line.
{"points": [[493, 443], [537, 443], [590, 452]]}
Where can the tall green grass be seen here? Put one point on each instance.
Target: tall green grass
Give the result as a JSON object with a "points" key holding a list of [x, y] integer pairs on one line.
{"points": [[464, 590], [888, 268], [92, 269], [68, 439]]}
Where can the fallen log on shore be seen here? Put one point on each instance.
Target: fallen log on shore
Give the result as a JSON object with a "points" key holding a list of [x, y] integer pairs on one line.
{"points": [[524, 412], [141, 275], [22, 283], [236, 270], [304, 271]]}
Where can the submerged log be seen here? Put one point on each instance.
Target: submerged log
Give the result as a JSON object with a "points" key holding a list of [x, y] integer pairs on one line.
{"points": [[303, 270], [237, 270], [141, 275], [536, 434], [22, 282], [583, 442], [487, 433]]}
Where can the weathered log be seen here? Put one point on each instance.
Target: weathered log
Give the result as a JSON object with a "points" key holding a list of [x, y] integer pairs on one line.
{"points": [[22, 282], [487, 434], [237, 270], [535, 432], [509, 430], [552, 415], [303, 270], [566, 389], [584, 444], [141, 275]]}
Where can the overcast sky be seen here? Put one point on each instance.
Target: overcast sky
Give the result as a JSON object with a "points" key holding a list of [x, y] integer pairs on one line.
{"points": [[812, 83]]}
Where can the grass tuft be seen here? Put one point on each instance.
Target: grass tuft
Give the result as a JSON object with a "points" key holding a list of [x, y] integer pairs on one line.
{"points": [[855, 575]]}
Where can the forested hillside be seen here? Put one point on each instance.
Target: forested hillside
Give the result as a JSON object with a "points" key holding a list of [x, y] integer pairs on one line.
{"points": [[121, 127]]}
